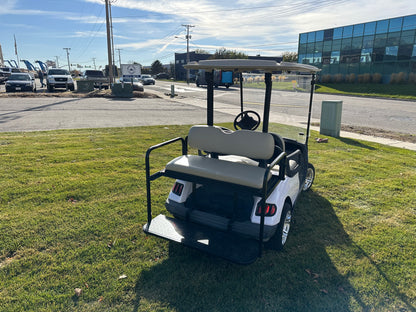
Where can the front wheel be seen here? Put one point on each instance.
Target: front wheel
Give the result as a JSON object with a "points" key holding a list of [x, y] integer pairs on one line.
{"points": [[310, 177], [279, 238]]}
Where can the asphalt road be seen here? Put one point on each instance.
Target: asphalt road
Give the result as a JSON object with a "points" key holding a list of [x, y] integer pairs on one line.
{"points": [[40, 113]]}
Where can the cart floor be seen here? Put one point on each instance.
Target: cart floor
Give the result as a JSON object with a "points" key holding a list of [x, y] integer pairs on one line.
{"points": [[222, 244]]}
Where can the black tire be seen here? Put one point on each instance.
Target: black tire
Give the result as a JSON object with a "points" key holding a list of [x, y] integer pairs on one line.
{"points": [[50, 88], [279, 239], [310, 177]]}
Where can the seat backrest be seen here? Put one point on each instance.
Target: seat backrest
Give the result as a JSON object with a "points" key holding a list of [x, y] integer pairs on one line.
{"points": [[213, 139]]}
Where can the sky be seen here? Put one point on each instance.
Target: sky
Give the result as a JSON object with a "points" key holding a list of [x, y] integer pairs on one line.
{"points": [[145, 31]]}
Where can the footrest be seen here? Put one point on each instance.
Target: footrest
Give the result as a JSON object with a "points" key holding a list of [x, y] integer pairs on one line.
{"points": [[225, 245]]}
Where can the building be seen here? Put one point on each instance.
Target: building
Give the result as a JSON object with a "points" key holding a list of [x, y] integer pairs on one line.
{"points": [[383, 47], [180, 61]]}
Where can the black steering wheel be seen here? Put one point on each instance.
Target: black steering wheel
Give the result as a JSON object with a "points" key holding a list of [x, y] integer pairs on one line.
{"points": [[245, 121]]}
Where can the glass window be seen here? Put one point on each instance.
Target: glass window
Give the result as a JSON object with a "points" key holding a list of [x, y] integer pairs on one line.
{"points": [[370, 28], [328, 34], [393, 39], [405, 52], [391, 53], [335, 57], [378, 54], [409, 22], [302, 48], [346, 44], [347, 32], [311, 37], [408, 37], [358, 30], [319, 36], [380, 40], [338, 33], [301, 58], [303, 38], [396, 24], [318, 46], [368, 42], [382, 27], [336, 45], [327, 46], [310, 48], [357, 43], [414, 52], [366, 55], [317, 58]]}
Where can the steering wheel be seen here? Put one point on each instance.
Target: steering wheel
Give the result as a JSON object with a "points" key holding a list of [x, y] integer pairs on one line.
{"points": [[247, 122]]}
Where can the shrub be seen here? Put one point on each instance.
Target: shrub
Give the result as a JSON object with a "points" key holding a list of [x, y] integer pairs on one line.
{"points": [[376, 78], [412, 78], [339, 78], [350, 78], [326, 78]]}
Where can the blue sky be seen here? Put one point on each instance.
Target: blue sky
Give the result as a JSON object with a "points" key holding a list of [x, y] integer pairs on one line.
{"points": [[146, 31]]}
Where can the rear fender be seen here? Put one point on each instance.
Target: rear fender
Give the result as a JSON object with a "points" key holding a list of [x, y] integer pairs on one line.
{"points": [[287, 189]]}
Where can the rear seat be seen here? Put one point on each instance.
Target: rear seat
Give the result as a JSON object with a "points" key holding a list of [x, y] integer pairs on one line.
{"points": [[217, 141]]}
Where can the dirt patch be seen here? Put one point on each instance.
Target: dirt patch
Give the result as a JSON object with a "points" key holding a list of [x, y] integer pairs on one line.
{"points": [[70, 94], [380, 133]]}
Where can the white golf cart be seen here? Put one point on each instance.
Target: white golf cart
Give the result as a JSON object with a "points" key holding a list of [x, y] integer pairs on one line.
{"points": [[238, 191]]}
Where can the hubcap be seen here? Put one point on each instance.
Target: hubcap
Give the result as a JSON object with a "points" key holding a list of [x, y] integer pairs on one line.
{"points": [[309, 179], [286, 226]]}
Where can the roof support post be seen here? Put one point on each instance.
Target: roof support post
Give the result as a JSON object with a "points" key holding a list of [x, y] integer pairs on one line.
{"points": [[209, 77], [267, 99], [313, 81]]}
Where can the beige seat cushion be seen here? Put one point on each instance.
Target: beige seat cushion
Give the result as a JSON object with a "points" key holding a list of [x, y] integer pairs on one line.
{"points": [[219, 170]]}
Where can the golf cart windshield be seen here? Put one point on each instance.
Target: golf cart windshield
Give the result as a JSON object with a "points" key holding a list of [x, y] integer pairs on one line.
{"points": [[286, 97], [289, 101]]}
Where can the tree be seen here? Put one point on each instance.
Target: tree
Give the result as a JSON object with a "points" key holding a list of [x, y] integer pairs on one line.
{"points": [[157, 67], [290, 57], [223, 53]]}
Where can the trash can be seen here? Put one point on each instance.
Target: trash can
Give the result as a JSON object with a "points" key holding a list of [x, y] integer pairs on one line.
{"points": [[331, 112], [122, 90]]}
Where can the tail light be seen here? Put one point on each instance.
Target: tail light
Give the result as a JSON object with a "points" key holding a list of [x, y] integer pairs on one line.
{"points": [[177, 189], [269, 210]]}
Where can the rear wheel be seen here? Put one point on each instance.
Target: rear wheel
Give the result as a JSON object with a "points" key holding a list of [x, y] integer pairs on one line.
{"points": [[279, 239], [310, 177]]}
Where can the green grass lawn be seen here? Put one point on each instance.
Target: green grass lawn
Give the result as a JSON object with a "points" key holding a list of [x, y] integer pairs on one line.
{"points": [[72, 207]]}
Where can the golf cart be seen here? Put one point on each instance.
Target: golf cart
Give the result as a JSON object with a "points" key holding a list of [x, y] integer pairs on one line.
{"points": [[237, 192]]}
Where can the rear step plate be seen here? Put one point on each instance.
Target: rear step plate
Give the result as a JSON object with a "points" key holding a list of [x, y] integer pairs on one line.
{"points": [[225, 245]]}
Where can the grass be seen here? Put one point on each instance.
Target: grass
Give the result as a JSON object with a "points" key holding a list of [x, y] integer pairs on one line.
{"points": [[401, 91], [72, 207]]}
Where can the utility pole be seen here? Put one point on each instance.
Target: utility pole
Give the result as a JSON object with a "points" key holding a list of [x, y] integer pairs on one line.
{"points": [[67, 56], [57, 62], [187, 49], [109, 45], [119, 57], [93, 61]]}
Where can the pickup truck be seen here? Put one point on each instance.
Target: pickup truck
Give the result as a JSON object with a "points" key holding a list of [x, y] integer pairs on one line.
{"points": [[100, 81]]}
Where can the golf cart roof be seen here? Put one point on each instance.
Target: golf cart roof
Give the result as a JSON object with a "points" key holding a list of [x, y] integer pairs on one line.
{"points": [[242, 65]]}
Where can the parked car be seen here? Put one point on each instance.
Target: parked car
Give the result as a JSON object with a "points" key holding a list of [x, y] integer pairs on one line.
{"points": [[5, 73], [59, 78], [21, 82], [97, 76], [148, 80], [162, 76], [137, 84]]}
